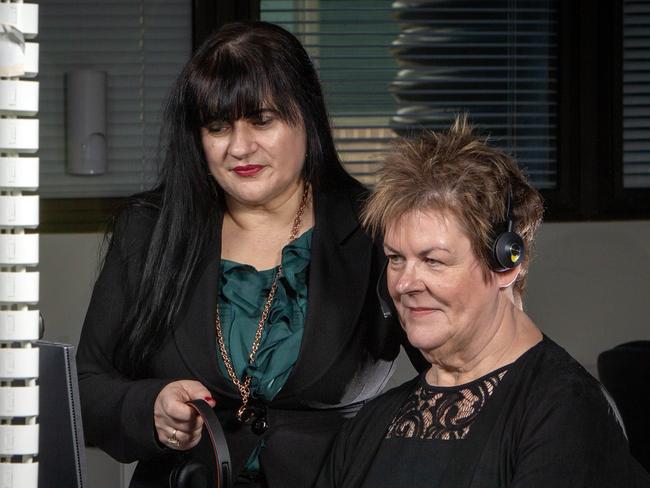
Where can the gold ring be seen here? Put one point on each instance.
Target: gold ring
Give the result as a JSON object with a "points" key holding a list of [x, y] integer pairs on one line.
{"points": [[172, 440]]}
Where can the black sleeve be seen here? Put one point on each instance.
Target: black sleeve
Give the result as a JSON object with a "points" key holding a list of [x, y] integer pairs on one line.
{"points": [[572, 439], [117, 412]]}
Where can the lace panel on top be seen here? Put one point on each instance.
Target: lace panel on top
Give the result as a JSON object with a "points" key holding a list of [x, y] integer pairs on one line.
{"points": [[432, 412]]}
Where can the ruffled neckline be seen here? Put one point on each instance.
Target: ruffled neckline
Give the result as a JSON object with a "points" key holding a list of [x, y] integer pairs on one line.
{"points": [[243, 292], [295, 258]]}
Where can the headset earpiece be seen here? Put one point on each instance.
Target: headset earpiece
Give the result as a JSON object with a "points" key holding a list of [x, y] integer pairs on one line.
{"points": [[508, 251]]}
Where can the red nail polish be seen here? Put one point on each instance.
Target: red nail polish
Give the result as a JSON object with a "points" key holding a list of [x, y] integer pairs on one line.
{"points": [[209, 398]]}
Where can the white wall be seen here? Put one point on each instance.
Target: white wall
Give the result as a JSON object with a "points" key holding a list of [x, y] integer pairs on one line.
{"points": [[69, 264], [589, 288], [590, 285]]}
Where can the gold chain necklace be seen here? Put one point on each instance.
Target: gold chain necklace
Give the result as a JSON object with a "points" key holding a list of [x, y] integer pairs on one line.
{"points": [[244, 386]]}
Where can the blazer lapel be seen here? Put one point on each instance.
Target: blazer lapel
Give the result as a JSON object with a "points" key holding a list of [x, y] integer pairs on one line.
{"points": [[195, 334], [341, 254]]}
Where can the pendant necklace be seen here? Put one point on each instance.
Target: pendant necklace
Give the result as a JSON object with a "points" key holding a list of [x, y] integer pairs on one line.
{"points": [[244, 386]]}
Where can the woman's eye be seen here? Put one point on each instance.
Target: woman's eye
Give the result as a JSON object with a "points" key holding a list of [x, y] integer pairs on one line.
{"points": [[218, 128], [394, 258], [263, 121]]}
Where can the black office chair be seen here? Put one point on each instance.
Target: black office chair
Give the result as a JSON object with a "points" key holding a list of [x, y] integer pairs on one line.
{"points": [[625, 372]]}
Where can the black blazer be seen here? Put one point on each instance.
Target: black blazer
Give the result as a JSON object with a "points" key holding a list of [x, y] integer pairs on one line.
{"points": [[346, 355]]}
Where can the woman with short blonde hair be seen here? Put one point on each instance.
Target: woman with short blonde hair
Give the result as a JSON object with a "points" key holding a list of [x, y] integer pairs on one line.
{"points": [[501, 405]]}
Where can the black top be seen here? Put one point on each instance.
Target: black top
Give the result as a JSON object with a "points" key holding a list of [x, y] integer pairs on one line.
{"points": [[428, 430], [547, 423]]}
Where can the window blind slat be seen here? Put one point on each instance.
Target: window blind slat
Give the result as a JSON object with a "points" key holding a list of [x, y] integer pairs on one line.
{"points": [[636, 94], [387, 67]]}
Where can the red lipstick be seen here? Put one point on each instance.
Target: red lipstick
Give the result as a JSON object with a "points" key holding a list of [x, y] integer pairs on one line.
{"points": [[248, 170]]}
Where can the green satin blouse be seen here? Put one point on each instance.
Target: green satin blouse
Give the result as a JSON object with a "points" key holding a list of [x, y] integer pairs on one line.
{"points": [[243, 293]]}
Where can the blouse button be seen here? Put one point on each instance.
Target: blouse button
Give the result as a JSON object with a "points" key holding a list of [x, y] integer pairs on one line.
{"points": [[260, 425]]}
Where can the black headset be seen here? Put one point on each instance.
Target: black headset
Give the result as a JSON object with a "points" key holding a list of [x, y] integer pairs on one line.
{"points": [[191, 473], [508, 252]]}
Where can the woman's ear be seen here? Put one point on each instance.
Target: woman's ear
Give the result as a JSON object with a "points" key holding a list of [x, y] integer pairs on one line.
{"points": [[507, 277]]}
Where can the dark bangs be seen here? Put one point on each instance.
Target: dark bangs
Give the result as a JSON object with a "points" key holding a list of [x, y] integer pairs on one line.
{"points": [[234, 84]]}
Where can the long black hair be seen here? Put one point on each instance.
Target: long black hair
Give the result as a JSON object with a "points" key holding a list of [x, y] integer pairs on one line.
{"points": [[241, 69]]}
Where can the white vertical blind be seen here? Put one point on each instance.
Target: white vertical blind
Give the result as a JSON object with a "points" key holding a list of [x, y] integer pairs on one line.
{"points": [[141, 45], [390, 68], [19, 282], [636, 93]]}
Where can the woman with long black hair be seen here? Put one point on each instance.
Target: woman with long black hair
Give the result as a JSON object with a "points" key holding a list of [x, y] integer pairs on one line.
{"points": [[243, 278]]}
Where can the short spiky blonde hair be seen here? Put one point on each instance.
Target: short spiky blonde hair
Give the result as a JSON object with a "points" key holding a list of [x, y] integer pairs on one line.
{"points": [[458, 172]]}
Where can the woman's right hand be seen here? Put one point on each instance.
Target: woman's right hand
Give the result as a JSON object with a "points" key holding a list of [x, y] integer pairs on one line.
{"points": [[178, 426]]}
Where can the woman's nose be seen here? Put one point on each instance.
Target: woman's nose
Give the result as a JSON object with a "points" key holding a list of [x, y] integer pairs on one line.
{"points": [[408, 280], [242, 141]]}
